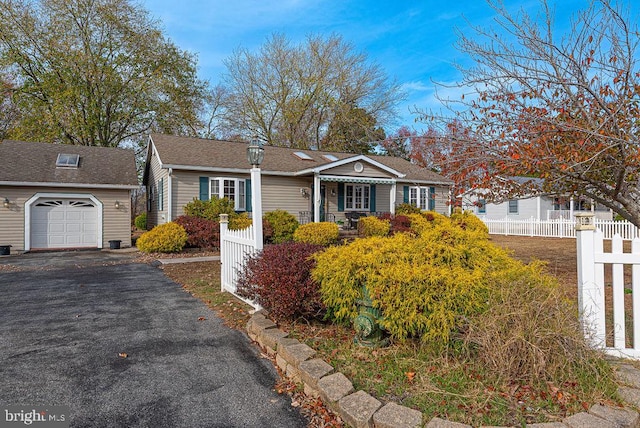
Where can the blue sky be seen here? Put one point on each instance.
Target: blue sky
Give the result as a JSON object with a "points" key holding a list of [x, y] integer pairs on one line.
{"points": [[413, 41]]}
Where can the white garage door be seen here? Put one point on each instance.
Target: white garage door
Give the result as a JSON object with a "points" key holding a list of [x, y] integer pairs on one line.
{"points": [[64, 223]]}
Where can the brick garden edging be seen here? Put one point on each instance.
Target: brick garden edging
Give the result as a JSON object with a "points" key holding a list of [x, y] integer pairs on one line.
{"points": [[360, 410]]}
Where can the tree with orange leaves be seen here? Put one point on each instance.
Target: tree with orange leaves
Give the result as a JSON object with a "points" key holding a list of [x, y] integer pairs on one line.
{"points": [[563, 109]]}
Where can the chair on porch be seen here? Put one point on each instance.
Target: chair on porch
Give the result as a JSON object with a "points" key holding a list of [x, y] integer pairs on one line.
{"points": [[352, 219]]}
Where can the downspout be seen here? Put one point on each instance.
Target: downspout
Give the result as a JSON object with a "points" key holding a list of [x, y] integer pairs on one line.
{"points": [[170, 195]]}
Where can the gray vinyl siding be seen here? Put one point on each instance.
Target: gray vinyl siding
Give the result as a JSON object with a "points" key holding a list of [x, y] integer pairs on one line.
{"points": [[347, 169], [441, 198], [283, 193], [155, 216], [116, 223]]}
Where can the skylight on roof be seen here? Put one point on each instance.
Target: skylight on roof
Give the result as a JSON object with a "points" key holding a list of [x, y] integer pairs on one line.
{"points": [[303, 155], [330, 157], [67, 160]]}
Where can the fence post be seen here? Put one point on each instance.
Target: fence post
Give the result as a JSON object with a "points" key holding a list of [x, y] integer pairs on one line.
{"points": [[590, 296], [224, 257]]}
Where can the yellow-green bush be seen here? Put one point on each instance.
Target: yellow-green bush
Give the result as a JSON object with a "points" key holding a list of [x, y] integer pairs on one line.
{"points": [[323, 233], [425, 285], [468, 220], [373, 226], [165, 238], [240, 222], [426, 221]]}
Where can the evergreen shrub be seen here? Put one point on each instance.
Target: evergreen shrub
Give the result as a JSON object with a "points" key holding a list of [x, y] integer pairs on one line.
{"points": [[239, 222], [279, 226], [210, 209], [373, 226], [426, 286], [140, 222], [323, 233], [165, 238]]}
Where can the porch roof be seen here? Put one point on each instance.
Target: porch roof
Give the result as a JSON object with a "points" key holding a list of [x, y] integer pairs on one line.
{"points": [[364, 180]]}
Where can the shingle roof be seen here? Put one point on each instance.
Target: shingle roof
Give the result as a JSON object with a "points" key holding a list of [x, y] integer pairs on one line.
{"points": [[201, 153], [36, 162]]}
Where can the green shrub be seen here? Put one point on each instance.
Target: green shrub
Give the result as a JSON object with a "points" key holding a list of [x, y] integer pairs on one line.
{"points": [[468, 220], [165, 238], [239, 222], [404, 209], [280, 226], [278, 278], [210, 209], [426, 286], [140, 221], [323, 233], [373, 226]]}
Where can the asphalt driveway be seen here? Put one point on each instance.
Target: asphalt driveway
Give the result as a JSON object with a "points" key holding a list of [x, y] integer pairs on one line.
{"points": [[123, 346]]}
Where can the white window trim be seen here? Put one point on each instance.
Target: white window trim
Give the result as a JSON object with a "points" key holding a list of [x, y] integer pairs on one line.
{"points": [[416, 202], [516, 212], [354, 185], [240, 203]]}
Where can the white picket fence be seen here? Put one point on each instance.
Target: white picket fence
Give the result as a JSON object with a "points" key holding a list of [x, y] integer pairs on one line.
{"points": [[235, 247], [557, 228], [608, 332]]}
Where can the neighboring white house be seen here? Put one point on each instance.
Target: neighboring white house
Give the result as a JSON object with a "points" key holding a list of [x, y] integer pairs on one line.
{"points": [[541, 206]]}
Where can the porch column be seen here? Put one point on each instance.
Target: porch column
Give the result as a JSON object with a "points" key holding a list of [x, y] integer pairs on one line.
{"points": [[316, 198], [392, 199], [571, 208]]}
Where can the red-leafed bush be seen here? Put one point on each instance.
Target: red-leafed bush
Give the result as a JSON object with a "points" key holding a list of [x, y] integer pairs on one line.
{"points": [[201, 233], [278, 278], [399, 223]]}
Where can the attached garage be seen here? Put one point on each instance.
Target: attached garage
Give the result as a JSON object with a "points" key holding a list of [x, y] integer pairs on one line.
{"points": [[59, 196], [64, 223]]}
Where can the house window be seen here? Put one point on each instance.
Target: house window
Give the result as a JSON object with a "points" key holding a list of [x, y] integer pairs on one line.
{"points": [[356, 196], [482, 206], [231, 188], [513, 206], [422, 197]]}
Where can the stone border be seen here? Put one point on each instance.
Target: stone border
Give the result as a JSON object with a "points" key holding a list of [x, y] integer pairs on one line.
{"points": [[360, 410]]}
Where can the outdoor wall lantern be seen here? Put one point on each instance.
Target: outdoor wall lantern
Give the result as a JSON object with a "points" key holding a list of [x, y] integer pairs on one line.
{"points": [[6, 203], [117, 205], [255, 153]]}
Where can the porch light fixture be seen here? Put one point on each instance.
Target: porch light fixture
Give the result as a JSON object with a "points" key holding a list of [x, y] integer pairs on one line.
{"points": [[6, 203], [117, 205], [255, 153]]}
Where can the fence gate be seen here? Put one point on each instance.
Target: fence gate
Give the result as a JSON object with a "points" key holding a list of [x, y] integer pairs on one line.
{"points": [[604, 317], [235, 247]]}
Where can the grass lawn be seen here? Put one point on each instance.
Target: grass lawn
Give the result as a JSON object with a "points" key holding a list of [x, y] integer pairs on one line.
{"points": [[415, 377]]}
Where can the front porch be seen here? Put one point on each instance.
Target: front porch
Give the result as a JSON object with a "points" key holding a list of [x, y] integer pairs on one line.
{"points": [[347, 220]]}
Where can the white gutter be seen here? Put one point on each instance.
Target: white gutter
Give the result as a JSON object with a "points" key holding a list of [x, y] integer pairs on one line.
{"points": [[76, 185]]}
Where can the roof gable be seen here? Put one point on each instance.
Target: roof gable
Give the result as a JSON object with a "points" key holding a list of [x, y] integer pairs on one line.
{"points": [[37, 163]]}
